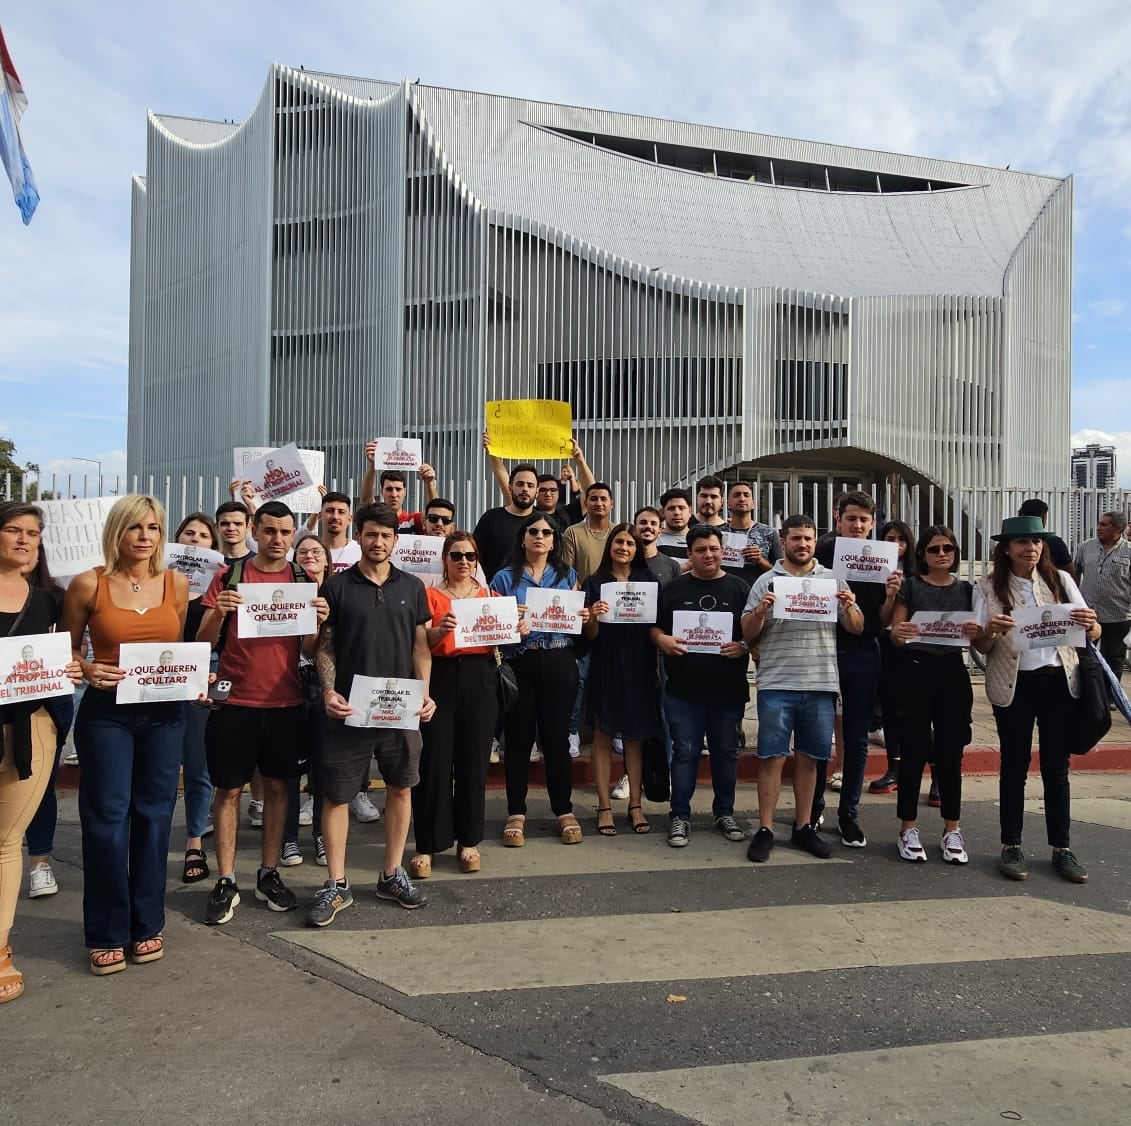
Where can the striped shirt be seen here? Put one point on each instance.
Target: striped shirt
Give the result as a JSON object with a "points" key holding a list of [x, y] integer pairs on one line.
{"points": [[1105, 578], [795, 656]]}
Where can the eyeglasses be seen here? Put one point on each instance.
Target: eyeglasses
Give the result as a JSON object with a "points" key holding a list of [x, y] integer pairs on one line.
{"points": [[436, 518], [461, 556], [940, 549], [547, 492], [539, 531]]}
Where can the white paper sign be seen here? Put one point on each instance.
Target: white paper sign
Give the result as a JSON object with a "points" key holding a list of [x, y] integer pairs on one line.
{"points": [[554, 611], [72, 533], [306, 500], [200, 564], [941, 627], [864, 561], [277, 609], [379, 701], [419, 555], [703, 631], [398, 453], [1039, 627], [734, 544], [163, 673], [485, 621], [805, 600], [629, 602], [33, 666]]}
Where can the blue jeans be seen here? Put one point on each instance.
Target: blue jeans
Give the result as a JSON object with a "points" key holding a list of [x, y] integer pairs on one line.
{"points": [[194, 764], [131, 757], [40, 833], [688, 724]]}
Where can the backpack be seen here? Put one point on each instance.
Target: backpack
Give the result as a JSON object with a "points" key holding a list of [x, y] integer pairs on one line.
{"points": [[233, 578]]}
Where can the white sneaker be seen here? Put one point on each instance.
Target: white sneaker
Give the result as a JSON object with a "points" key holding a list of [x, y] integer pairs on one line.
{"points": [[255, 814], [535, 754], [41, 881], [575, 746], [620, 790], [836, 781], [618, 744], [363, 809], [495, 756], [306, 810], [71, 758], [954, 848], [911, 847], [290, 856]]}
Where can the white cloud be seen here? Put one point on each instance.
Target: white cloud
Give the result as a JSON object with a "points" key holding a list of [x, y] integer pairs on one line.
{"points": [[1108, 307]]}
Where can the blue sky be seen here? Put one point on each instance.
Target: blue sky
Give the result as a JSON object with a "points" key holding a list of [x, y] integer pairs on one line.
{"points": [[1040, 86]]}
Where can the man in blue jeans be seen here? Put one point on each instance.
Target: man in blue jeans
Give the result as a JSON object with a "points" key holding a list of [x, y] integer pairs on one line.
{"points": [[699, 632], [797, 688]]}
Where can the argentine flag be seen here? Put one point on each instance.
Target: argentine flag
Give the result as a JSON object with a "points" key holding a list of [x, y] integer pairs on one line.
{"points": [[13, 102]]}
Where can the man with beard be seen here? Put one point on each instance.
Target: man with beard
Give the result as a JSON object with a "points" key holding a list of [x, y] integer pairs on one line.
{"points": [[646, 524]]}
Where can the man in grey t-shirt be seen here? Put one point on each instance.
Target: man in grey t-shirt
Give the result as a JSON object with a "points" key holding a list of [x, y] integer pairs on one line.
{"points": [[1103, 570]]}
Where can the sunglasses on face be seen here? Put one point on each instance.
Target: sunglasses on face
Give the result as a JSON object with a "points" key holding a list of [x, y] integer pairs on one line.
{"points": [[940, 549], [436, 518], [539, 531], [463, 556], [547, 492]]}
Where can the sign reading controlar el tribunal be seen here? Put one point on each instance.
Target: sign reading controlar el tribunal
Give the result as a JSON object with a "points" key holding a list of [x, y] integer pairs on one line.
{"points": [[529, 428], [34, 666], [385, 702]]}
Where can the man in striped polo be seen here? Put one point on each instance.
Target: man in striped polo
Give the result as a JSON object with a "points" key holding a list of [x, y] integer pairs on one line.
{"points": [[798, 684], [1103, 570]]}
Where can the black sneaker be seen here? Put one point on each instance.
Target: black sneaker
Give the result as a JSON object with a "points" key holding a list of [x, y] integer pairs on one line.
{"points": [[270, 889], [1012, 863], [328, 901], [887, 784], [851, 835], [679, 832], [761, 846], [400, 889], [808, 840], [1068, 866], [729, 828], [222, 903]]}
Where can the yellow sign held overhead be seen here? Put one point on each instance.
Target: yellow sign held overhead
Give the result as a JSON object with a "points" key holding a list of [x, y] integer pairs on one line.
{"points": [[529, 428]]}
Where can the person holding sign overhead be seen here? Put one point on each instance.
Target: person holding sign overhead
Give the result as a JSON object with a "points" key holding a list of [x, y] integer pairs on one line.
{"points": [[546, 671], [131, 752], [393, 490], [29, 734], [623, 687], [1031, 686], [936, 697]]}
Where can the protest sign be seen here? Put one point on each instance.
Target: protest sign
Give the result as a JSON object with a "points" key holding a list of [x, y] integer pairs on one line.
{"points": [[276, 610], [630, 602], [864, 561], [419, 555], [529, 428], [554, 611], [398, 453], [703, 631], [734, 544], [34, 666], [387, 702], [1039, 627], [163, 673], [304, 500], [941, 627], [72, 533], [485, 621], [804, 599], [200, 564]]}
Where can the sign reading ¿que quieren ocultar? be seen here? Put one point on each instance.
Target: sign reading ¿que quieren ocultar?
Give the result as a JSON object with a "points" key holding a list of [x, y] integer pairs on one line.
{"points": [[163, 672]]}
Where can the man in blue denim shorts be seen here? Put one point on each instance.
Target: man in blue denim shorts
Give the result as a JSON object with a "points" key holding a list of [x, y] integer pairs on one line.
{"points": [[797, 684]]}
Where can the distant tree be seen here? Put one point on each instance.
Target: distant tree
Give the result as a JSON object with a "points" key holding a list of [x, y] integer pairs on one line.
{"points": [[12, 475]]}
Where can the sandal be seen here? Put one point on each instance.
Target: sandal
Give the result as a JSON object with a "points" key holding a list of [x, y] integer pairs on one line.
{"points": [[514, 831], [153, 954], [196, 866], [608, 829], [640, 826], [100, 967], [469, 859], [420, 866], [569, 830], [10, 978]]}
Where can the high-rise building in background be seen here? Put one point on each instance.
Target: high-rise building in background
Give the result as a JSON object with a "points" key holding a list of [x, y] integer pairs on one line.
{"points": [[361, 258], [1093, 469]]}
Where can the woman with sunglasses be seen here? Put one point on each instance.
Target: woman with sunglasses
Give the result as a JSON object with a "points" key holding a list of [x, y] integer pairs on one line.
{"points": [[937, 697], [546, 672], [448, 801], [1027, 686]]}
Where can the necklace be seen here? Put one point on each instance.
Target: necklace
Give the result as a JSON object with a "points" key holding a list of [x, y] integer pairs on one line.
{"points": [[134, 586]]}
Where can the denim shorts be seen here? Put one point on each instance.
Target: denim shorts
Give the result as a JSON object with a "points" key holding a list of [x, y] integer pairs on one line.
{"points": [[806, 717]]}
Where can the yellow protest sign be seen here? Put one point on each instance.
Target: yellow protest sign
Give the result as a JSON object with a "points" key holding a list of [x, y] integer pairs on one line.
{"points": [[529, 428]]}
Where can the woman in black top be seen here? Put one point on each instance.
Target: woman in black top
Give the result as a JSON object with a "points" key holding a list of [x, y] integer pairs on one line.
{"points": [[29, 732], [623, 684], [938, 700]]}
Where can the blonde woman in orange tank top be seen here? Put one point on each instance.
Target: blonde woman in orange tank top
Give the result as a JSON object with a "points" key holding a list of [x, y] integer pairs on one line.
{"points": [[131, 753]]}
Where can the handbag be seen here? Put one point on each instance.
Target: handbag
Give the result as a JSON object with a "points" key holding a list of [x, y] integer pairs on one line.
{"points": [[506, 685], [655, 777], [1093, 714]]}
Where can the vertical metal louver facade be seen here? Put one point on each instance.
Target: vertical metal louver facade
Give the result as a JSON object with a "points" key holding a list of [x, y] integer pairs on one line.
{"points": [[361, 258]]}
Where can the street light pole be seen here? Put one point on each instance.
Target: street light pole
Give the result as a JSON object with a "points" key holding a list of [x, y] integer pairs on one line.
{"points": [[90, 461]]}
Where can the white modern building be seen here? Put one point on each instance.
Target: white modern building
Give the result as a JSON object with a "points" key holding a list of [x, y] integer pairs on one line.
{"points": [[361, 258], [1095, 485]]}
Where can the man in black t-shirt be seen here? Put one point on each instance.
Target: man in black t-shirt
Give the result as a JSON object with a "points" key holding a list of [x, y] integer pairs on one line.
{"points": [[497, 529], [706, 692]]}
